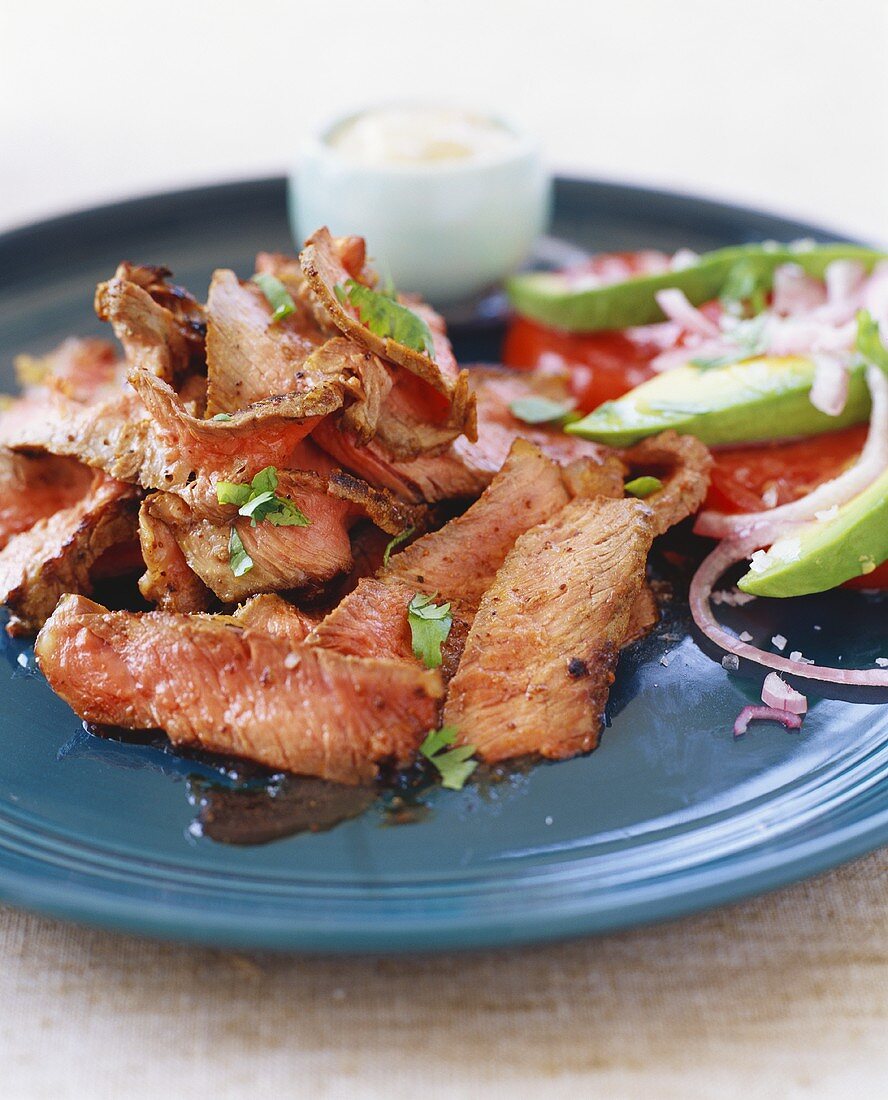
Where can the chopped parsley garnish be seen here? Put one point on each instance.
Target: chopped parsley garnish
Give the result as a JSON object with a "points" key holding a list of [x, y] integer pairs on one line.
{"points": [[222, 416], [454, 766], [642, 487], [745, 290], [541, 410], [259, 502], [396, 542], [277, 296], [868, 342], [430, 625], [749, 340], [387, 318], [238, 558]]}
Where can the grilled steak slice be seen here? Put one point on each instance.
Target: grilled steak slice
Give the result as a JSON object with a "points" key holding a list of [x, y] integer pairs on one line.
{"points": [[33, 487], [325, 269], [458, 563], [58, 553], [168, 580], [288, 557], [462, 558], [466, 468], [248, 358], [163, 450], [241, 692], [682, 463], [273, 615], [540, 656], [83, 369], [161, 340]]}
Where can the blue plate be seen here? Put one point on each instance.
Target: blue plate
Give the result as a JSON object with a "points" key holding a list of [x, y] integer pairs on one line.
{"points": [[669, 815]]}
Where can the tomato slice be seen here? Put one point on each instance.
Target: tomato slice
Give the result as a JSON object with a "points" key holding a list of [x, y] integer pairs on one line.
{"points": [[601, 365], [750, 479]]}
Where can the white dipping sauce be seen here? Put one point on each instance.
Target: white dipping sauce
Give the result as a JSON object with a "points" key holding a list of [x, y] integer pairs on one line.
{"points": [[419, 136]]}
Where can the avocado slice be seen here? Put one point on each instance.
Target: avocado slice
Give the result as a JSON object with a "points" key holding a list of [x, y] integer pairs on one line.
{"points": [[762, 398], [555, 299], [826, 552]]}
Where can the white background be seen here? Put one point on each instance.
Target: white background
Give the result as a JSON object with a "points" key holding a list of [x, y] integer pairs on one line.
{"points": [[779, 103]]}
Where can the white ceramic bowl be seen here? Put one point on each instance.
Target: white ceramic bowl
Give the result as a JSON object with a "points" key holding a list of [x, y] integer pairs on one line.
{"points": [[445, 229]]}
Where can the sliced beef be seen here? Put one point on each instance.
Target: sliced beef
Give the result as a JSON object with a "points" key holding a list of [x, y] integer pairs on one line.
{"points": [[465, 468], [59, 552], [284, 558], [243, 692], [84, 370], [326, 265], [540, 656], [168, 580], [461, 559], [683, 464], [248, 358], [458, 563], [160, 326], [33, 487], [273, 615]]}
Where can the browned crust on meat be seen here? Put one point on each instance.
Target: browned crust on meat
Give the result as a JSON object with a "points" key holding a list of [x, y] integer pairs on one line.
{"points": [[57, 554], [379, 505], [683, 464], [155, 338]]}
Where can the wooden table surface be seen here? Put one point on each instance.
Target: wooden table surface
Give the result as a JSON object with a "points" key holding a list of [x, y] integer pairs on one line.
{"points": [[781, 996]]}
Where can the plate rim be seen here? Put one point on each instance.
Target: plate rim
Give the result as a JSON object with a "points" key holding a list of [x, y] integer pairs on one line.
{"points": [[701, 886]]}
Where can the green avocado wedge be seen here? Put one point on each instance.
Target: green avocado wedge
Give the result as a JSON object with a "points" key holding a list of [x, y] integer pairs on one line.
{"points": [[827, 552], [763, 398], [557, 300]]}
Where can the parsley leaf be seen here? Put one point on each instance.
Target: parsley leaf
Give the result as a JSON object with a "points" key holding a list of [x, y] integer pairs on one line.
{"points": [[869, 342], [259, 502], [227, 492], [745, 290], [430, 625], [238, 558], [454, 766], [221, 416], [277, 296], [396, 542], [540, 410], [386, 317], [642, 487]]}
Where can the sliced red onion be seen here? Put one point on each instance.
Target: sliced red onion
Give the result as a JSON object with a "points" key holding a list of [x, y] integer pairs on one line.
{"points": [[766, 527], [777, 693], [750, 714], [725, 555], [795, 291], [676, 306], [829, 391]]}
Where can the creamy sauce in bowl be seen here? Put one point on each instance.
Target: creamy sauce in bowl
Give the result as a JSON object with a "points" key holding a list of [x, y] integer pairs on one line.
{"points": [[418, 136]]}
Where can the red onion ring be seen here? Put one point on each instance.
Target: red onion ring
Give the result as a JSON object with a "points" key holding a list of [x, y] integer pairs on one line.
{"points": [[750, 714], [725, 555]]}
